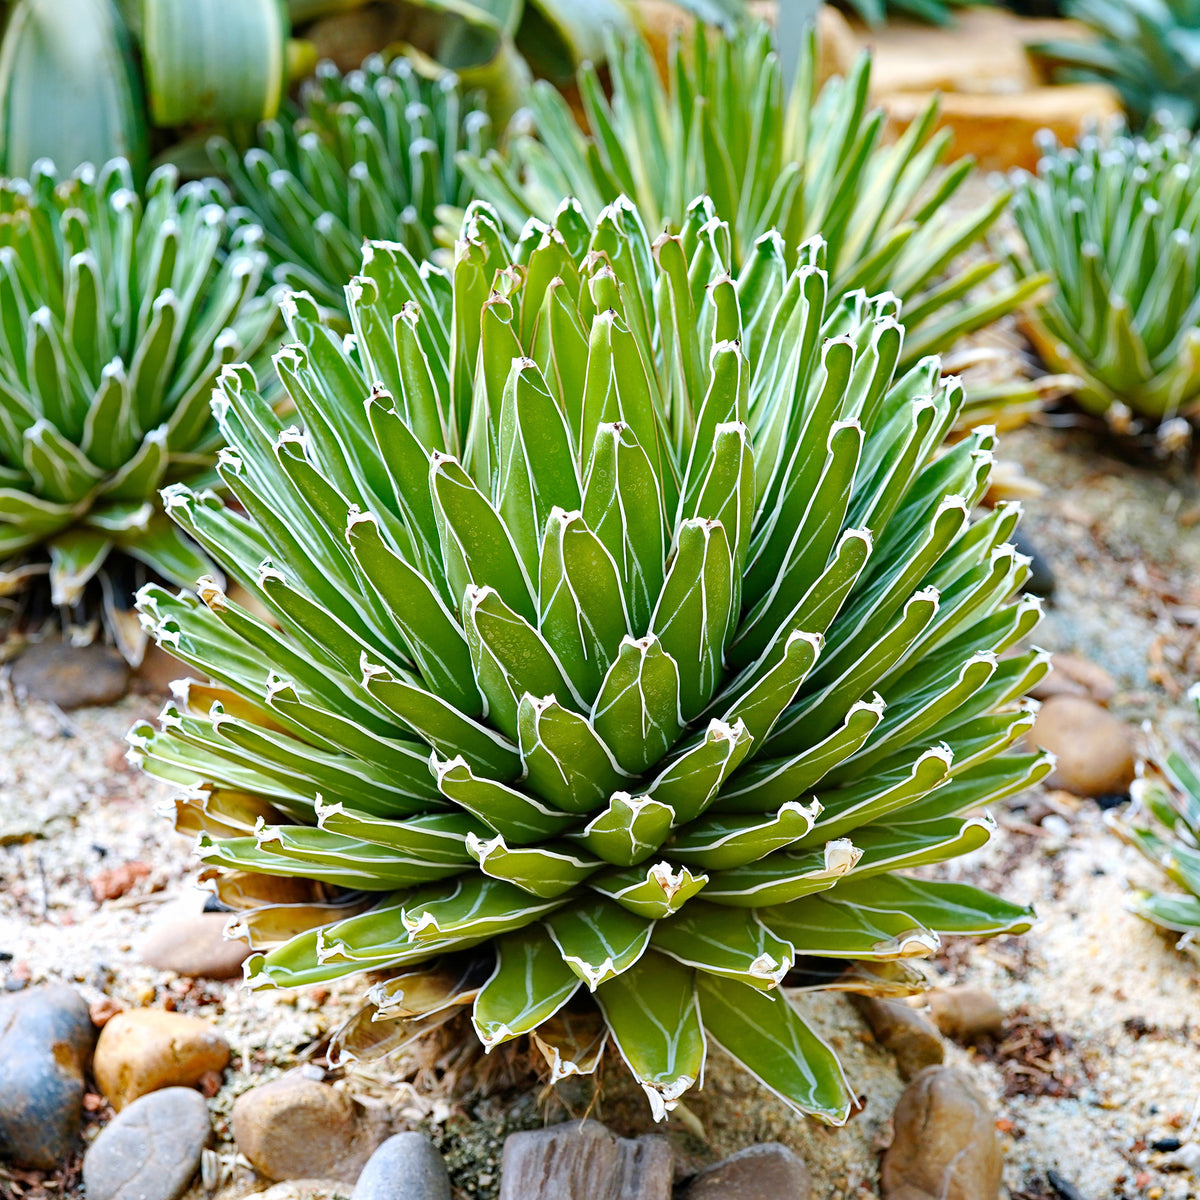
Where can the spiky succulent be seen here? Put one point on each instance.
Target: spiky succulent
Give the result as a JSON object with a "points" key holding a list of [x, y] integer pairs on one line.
{"points": [[935, 12], [118, 311], [629, 631], [804, 163], [1116, 221], [1164, 824], [366, 155], [1147, 49]]}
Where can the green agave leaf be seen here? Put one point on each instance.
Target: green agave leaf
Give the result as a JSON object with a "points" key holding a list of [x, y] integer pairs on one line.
{"points": [[547, 870], [628, 831], [655, 1020], [767, 1036], [725, 941], [599, 939], [653, 892]]}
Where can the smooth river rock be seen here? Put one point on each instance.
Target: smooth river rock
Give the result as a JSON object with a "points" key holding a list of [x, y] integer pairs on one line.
{"points": [[769, 1171], [150, 1150], [406, 1167], [46, 1040], [145, 1049], [904, 1031], [195, 946], [70, 676]]}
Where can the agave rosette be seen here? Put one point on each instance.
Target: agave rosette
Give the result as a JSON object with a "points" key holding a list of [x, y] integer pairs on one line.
{"points": [[1116, 220], [806, 162], [363, 156], [120, 309], [630, 638], [1163, 823]]}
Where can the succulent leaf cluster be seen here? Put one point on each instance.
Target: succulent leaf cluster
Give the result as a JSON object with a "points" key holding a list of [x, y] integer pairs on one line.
{"points": [[364, 156], [629, 637], [1163, 823], [1149, 50], [805, 162], [1116, 221], [935, 12], [118, 311]]}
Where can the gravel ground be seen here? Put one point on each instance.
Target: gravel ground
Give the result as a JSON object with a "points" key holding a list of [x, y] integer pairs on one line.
{"points": [[1101, 1053]]}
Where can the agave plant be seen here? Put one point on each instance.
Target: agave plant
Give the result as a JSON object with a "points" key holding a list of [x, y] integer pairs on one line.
{"points": [[630, 638], [1164, 824], [800, 162], [934, 12], [1147, 49], [119, 310], [368, 155], [1116, 221]]}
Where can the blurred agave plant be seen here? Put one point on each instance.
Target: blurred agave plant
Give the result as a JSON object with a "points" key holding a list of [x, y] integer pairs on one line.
{"points": [[935, 12], [119, 310], [1149, 50], [1164, 824], [368, 155], [1116, 221], [803, 163], [630, 637]]}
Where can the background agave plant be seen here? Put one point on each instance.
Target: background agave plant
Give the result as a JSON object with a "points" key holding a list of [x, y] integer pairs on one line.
{"points": [[1148, 49], [632, 636], [1164, 824], [803, 163], [935, 12], [367, 155], [1116, 221], [119, 311]]}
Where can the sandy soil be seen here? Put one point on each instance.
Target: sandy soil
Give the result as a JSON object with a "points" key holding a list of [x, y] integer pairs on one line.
{"points": [[1101, 1053]]}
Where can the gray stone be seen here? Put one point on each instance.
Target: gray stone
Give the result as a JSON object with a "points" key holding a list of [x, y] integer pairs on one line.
{"points": [[46, 1041], [150, 1150], [582, 1160], [70, 676], [406, 1167], [195, 946], [767, 1172], [903, 1030], [945, 1145]]}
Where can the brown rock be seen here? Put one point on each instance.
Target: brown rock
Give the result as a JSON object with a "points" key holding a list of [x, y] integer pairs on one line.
{"points": [[999, 129], [116, 881], [769, 1171], [1071, 675], [584, 1161], [903, 1030], [70, 676], [945, 1145], [964, 1013], [1094, 750], [196, 947], [982, 51], [145, 1049], [295, 1127]]}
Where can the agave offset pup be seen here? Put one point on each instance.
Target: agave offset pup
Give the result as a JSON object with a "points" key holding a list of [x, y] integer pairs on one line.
{"points": [[1163, 823], [806, 162], [363, 156], [119, 310], [1116, 221], [630, 638]]}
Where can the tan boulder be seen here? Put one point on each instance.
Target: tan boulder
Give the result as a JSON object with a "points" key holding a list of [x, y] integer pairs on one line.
{"points": [[1094, 749]]}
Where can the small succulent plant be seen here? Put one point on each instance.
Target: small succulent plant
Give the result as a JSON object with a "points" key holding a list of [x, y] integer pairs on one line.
{"points": [[366, 155], [629, 637], [1149, 50], [119, 310], [1163, 823], [812, 161], [1116, 221]]}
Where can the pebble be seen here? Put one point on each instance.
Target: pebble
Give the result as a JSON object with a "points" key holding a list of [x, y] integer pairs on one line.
{"points": [[582, 1160], [295, 1127], [195, 946], [150, 1150], [904, 1031], [70, 676], [145, 1049], [1071, 675], [306, 1189], [46, 1040], [964, 1013], [769, 1171], [406, 1167], [1094, 750], [945, 1145]]}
